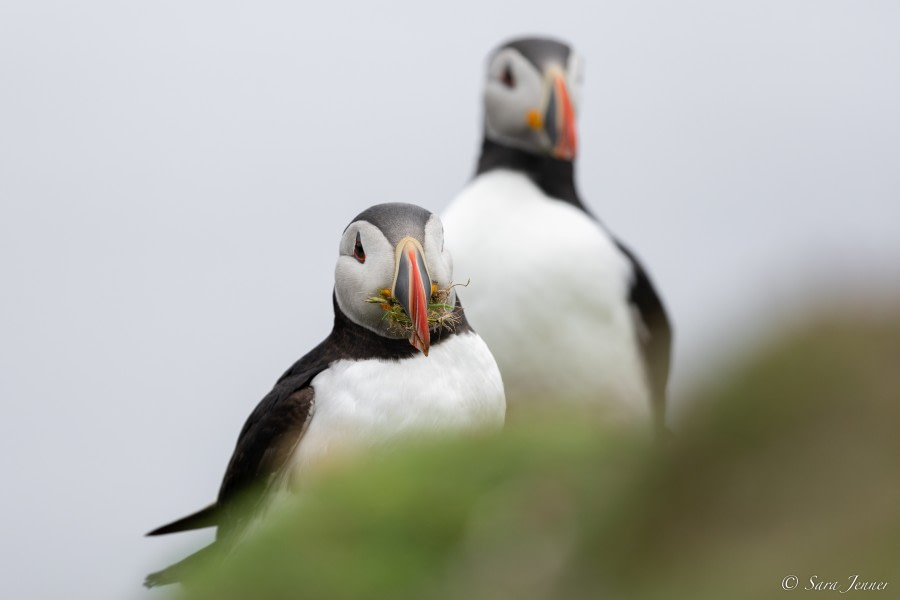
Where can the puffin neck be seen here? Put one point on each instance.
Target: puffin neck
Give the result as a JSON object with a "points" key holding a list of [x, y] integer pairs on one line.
{"points": [[357, 342], [555, 177]]}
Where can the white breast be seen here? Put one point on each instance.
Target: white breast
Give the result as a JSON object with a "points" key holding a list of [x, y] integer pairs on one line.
{"points": [[549, 294], [364, 403]]}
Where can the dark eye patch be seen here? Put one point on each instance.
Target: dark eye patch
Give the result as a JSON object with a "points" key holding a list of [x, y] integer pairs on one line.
{"points": [[507, 77], [358, 252]]}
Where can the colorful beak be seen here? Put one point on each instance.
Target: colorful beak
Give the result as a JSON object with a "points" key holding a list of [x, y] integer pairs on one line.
{"points": [[412, 289], [559, 119]]}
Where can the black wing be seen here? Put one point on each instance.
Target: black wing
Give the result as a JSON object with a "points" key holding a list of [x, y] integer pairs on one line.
{"points": [[654, 334], [176, 572], [271, 433], [205, 517], [264, 444], [263, 448]]}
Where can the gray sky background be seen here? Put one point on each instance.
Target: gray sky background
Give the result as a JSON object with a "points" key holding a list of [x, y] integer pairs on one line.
{"points": [[174, 179]]}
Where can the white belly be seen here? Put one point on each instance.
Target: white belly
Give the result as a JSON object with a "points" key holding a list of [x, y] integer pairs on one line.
{"points": [[365, 403], [549, 294]]}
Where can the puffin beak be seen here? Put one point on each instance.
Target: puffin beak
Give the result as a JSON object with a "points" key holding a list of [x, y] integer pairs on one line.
{"points": [[412, 289], [559, 117]]}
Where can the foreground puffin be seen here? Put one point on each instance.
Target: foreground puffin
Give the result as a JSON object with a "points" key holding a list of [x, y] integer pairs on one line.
{"points": [[401, 359], [567, 310]]}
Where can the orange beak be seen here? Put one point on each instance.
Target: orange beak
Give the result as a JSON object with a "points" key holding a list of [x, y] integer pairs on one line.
{"points": [[558, 119], [412, 289], [562, 133]]}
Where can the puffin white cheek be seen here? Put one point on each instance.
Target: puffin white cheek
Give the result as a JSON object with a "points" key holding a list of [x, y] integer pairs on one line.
{"points": [[575, 79], [505, 112], [346, 280], [439, 268], [575, 96], [354, 283], [448, 260]]}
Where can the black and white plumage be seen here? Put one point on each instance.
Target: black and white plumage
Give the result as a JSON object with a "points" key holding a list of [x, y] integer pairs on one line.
{"points": [[568, 311], [365, 384]]}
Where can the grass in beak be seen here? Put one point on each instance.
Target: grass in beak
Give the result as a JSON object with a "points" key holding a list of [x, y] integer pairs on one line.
{"points": [[441, 314]]}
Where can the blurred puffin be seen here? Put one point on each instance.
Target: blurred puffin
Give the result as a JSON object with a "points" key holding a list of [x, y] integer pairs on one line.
{"points": [[372, 380], [568, 311]]}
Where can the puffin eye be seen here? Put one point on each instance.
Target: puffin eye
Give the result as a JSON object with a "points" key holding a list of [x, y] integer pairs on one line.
{"points": [[358, 252], [507, 78]]}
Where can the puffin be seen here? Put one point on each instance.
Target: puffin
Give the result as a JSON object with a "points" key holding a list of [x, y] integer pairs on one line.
{"points": [[568, 310], [401, 360]]}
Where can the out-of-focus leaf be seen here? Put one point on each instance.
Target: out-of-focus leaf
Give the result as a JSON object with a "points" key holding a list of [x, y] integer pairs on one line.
{"points": [[789, 467]]}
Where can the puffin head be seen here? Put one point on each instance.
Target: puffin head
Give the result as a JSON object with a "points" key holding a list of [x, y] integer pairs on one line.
{"points": [[393, 252], [531, 97]]}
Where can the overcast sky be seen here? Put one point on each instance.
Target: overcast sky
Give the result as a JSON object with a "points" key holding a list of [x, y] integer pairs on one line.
{"points": [[175, 176]]}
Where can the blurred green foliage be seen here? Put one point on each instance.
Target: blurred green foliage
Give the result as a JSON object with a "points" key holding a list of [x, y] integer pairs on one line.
{"points": [[790, 466]]}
